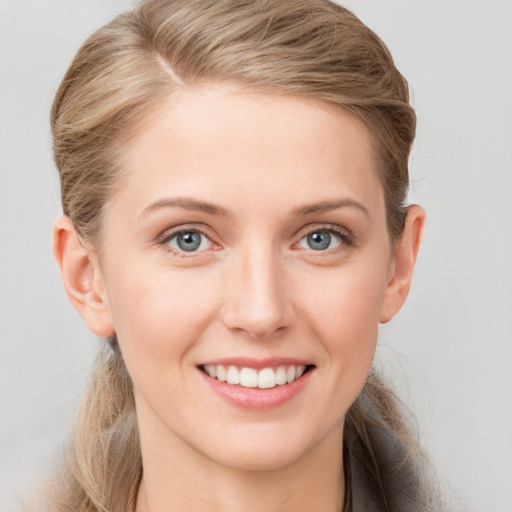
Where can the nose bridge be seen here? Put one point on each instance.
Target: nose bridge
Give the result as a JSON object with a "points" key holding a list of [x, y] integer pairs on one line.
{"points": [[258, 304]]}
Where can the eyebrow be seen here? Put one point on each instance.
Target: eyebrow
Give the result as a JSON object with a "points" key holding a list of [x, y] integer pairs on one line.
{"points": [[327, 206], [211, 209], [188, 204]]}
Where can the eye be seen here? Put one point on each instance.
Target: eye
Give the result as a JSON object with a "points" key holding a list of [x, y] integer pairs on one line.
{"points": [[189, 241], [321, 240]]}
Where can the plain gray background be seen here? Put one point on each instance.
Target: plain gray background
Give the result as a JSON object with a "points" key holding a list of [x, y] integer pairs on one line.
{"points": [[449, 351]]}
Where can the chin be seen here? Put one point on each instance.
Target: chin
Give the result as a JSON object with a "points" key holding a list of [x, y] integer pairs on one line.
{"points": [[259, 458], [264, 449]]}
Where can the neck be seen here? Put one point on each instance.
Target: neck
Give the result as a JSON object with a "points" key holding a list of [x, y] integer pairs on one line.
{"points": [[173, 482]]}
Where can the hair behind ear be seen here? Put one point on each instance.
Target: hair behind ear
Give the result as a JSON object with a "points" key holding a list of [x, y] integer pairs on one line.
{"points": [[389, 471], [103, 464]]}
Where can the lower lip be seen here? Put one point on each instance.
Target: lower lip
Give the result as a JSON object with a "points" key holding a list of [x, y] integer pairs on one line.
{"points": [[256, 398]]}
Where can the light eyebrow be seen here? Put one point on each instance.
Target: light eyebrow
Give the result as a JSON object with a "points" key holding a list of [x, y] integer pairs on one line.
{"points": [[326, 206], [188, 204]]}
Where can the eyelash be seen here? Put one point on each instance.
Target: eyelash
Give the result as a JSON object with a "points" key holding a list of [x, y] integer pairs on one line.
{"points": [[346, 240], [167, 236]]}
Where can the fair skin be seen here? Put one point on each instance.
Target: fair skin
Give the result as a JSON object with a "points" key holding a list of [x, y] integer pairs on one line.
{"points": [[248, 230]]}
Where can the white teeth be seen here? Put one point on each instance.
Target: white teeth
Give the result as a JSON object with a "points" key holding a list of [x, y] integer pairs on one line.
{"points": [[266, 378], [249, 378], [290, 374], [281, 376], [212, 370], [233, 375], [221, 373]]}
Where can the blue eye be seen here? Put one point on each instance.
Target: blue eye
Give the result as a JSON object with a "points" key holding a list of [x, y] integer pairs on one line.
{"points": [[189, 241], [320, 240]]}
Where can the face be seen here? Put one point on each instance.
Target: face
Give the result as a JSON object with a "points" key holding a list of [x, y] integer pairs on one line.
{"points": [[247, 240]]}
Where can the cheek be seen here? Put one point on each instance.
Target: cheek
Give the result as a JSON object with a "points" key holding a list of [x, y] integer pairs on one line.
{"points": [[344, 312], [159, 315], [350, 298]]}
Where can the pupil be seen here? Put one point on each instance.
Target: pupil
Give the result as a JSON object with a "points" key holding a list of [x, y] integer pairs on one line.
{"points": [[319, 241], [189, 241]]}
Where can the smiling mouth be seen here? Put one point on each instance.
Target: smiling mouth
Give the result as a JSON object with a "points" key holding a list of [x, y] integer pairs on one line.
{"points": [[264, 378]]}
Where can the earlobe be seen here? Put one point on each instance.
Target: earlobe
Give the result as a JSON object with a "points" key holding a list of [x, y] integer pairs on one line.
{"points": [[82, 277], [405, 253]]}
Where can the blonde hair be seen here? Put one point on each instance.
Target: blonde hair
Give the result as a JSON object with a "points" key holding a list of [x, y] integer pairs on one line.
{"points": [[124, 71]]}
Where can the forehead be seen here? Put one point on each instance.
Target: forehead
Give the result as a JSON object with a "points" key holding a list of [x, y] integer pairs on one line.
{"points": [[221, 142]]}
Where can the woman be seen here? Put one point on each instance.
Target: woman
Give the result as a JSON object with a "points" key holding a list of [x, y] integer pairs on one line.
{"points": [[233, 182]]}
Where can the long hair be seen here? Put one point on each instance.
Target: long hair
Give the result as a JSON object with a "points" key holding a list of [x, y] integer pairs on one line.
{"points": [[122, 73]]}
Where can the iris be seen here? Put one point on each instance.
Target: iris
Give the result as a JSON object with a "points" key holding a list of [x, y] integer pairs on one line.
{"points": [[319, 241], [188, 241]]}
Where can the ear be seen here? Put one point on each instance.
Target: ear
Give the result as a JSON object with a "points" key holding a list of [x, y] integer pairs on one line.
{"points": [[405, 253], [82, 277]]}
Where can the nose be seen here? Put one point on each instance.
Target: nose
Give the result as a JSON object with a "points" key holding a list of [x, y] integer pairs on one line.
{"points": [[258, 299]]}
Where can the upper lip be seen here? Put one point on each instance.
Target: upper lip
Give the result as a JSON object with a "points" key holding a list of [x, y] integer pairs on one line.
{"points": [[258, 364]]}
